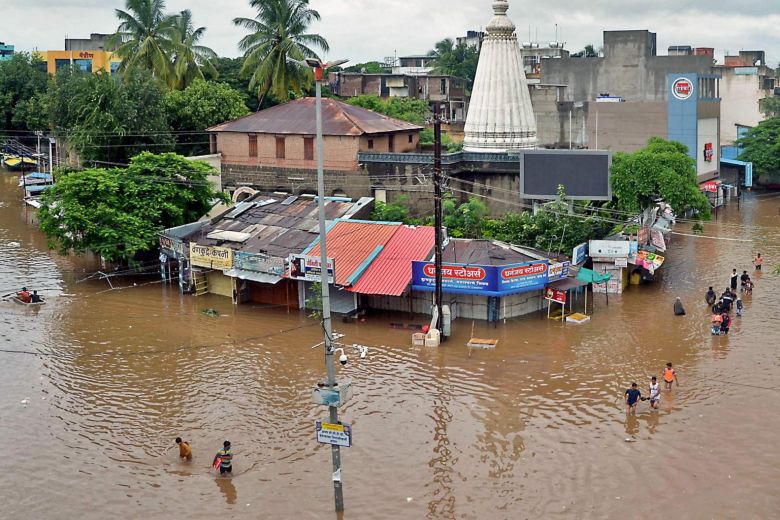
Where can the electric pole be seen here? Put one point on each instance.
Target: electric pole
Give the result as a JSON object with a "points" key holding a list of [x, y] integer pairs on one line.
{"points": [[437, 211]]}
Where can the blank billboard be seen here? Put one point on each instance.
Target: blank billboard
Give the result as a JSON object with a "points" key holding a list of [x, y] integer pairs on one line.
{"points": [[583, 173]]}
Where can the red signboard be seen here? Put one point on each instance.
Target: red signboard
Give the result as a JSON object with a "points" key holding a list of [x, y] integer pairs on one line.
{"points": [[711, 186], [555, 295], [708, 153], [682, 88]]}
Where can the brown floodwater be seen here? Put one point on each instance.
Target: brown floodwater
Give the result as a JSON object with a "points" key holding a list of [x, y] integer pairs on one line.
{"points": [[95, 386]]}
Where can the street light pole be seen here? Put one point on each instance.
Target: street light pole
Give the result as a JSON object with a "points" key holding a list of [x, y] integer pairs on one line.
{"points": [[326, 321]]}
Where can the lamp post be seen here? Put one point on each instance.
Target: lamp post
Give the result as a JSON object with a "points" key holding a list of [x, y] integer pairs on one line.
{"points": [[319, 69]]}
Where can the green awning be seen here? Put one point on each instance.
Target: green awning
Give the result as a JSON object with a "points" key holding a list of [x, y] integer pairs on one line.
{"points": [[591, 276]]}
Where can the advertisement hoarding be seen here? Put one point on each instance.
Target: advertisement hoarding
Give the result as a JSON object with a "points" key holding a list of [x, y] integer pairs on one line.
{"points": [[555, 295], [309, 268], [486, 280]]}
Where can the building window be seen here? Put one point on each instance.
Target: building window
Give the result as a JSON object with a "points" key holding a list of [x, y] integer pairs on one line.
{"points": [[410, 139], [84, 65], [308, 148], [442, 86], [213, 143], [280, 147], [370, 144], [391, 143], [252, 145]]}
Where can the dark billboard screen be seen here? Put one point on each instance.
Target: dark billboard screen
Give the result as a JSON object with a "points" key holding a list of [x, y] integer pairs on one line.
{"points": [[583, 173]]}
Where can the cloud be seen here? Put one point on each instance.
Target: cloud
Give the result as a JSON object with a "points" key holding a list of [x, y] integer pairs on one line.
{"points": [[364, 30]]}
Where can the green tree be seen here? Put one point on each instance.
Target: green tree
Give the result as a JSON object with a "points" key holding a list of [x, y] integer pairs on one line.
{"points": [[22, 78], [761, 146], [464, 220], [107, 120], [395, 211], [229, 72], [145, 38], [276, 44], [455, 60], [199, 106], [117, 213], [661, 169], [770, 106], [369, 67], [191, 59], [406, 109]]}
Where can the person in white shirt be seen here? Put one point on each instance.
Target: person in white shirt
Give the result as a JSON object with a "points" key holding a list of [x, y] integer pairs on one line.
{"points": [[655, 393]]}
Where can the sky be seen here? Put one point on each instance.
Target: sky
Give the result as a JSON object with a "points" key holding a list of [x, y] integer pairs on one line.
{"points": [[364, 30]]}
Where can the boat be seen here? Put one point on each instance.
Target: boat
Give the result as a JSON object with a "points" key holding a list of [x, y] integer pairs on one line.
{"points": [[12, 162], [18, 300], [29, 161], [35, 178]]}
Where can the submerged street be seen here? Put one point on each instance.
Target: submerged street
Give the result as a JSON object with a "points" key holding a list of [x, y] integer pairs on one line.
{"points": [[98, 383]]}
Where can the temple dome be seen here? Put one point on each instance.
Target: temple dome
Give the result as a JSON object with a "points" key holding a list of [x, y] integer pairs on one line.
{"points": [[500, 116]]}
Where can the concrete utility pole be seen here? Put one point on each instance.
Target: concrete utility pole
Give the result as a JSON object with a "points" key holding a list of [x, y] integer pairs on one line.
{"points": [[437, 212], [326, 321]]}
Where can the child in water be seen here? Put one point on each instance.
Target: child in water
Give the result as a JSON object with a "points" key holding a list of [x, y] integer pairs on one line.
{"points": [[740, 306], [717, 319]]}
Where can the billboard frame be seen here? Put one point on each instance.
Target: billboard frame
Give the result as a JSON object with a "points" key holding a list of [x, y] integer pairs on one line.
{"points": [[521, 159]]}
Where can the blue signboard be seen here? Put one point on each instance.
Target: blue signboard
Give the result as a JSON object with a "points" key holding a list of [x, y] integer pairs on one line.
{"points": [[486, 280]]}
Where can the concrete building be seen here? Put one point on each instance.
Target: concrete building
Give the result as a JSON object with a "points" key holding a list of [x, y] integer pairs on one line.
{"points": [[618, 101], [500, 116], [449, 91], [745, 81], [88, 54], [472, 39], [532, 54], [6, 51], [274, 149], [414, 65]]}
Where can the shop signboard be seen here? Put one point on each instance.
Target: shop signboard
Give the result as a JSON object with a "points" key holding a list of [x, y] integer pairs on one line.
{"points": [[488, 280], [334, 434], [555, 295], [211, 256], [657, 239], [173, 247], [579, 253], [557, 271], [621, 262], [309, 268], [259, 263], [609, 248]]}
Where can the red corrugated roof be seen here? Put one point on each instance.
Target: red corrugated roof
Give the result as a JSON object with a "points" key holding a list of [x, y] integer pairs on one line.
{"points": [[391, 272], [298, 117], [350, 244]]}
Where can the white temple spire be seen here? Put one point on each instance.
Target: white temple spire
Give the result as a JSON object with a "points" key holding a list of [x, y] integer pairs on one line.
{"points": [[500, 116]]}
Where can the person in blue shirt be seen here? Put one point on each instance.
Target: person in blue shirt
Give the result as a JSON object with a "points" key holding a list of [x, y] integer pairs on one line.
{"points": [[632, 398], [224, 459]]}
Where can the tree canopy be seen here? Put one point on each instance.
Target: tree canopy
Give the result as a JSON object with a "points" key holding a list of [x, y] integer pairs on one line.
{"points": [[662, 169], [116, 213], [761, 146], [276, 45], [107, 120], [406, 109], [456, 59], [23, 84], [199, 106]]}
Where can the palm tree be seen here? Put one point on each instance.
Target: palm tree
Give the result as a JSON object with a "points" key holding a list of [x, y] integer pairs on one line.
{"points": [[276, 45], [145, 37], [191, 59]]}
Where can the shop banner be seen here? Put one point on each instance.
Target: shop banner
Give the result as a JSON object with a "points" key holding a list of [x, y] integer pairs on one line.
{"points": [[488, 280], [309, 268], [555, 295], [579, 254], [211, 256], [172, 247], [557, 271], [259, 263]]}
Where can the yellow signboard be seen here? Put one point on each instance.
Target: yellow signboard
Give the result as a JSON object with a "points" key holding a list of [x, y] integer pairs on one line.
{"points": [[211, 256]]}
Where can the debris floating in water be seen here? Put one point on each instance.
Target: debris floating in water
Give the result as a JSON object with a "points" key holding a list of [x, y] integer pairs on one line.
{"points": [[214, 313]]}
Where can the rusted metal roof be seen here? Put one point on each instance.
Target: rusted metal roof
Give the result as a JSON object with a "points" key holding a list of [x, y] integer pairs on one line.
{"points": [[353, 246], [481, 252], [298, 117], [391, 273]]}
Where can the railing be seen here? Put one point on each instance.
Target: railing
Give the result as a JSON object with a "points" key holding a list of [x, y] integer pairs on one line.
{"points": [[427, 158]]}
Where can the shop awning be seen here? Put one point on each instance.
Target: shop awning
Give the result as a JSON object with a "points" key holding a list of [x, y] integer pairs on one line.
{"points": [[564, 284], [591, 276], [252, 276]]}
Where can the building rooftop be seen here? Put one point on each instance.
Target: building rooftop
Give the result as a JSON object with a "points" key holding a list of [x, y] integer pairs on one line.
{"points": [[482, 252], [298, 117], [391, 273]]}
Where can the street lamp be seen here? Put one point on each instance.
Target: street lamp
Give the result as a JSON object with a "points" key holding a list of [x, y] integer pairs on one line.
{"points": [[319, 69]]}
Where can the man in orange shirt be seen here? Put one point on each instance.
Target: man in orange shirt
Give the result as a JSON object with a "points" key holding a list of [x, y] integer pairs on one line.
{"points": [[185, 451], [24, 295]]}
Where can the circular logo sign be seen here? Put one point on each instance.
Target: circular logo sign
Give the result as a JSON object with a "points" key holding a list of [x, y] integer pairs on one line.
{"points": [[682, 88]]}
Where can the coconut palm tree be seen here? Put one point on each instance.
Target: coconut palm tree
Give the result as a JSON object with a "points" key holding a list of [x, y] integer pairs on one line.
{"points": [[191, 59], [276, 44], [145, 37]]}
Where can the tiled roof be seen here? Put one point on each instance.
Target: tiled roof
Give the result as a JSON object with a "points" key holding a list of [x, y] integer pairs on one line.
{"points": [[391, 272], [353, 246], [298, 117]]}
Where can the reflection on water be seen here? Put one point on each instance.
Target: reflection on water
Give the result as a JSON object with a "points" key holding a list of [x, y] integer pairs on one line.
{"points": [[533, 428]]}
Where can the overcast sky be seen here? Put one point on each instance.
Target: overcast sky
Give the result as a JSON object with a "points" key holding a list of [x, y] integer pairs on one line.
{"points": [[363, 30]]}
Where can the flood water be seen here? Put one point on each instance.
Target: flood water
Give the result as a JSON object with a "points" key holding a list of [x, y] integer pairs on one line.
{"points": [[535, 428]]}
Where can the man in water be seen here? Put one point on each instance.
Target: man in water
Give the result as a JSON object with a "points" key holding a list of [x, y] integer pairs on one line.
{"points": [[744, 279], [734, 277], [758, 261], [679, 310], [225, 457], [655, 393], [670, 376], [185, 451], [725, 324], [710, 296], [632, 398], [34, 298], [24, 295]]}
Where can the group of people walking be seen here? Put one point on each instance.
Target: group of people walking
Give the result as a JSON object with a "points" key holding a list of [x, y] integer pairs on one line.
{"points": [[633, 395], [722, 306], [223, 460]]}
